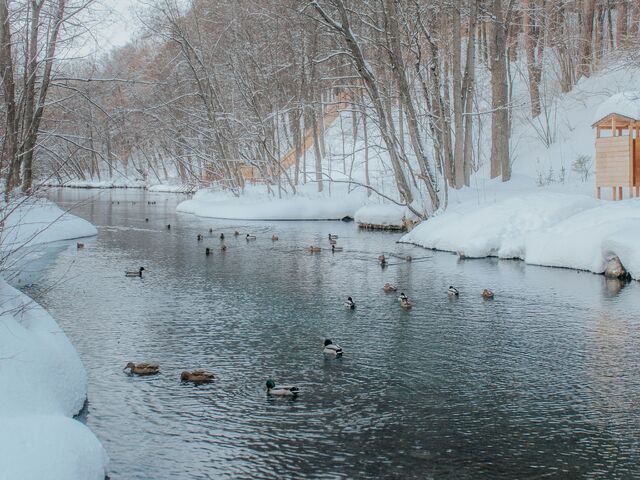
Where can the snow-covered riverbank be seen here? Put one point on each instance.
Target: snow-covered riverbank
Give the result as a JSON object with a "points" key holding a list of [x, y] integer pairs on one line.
{"points": [[544, 228], [42, 379]]}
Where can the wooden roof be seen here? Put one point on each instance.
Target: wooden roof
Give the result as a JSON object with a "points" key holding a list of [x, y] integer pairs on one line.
{"points": [[621, 121]]}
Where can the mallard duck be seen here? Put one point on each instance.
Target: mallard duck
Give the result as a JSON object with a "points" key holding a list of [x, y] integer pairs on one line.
{"points": [[382, 260], [134, 273], [408, 258], [199, 237], [349, 303], [169, 227], [79, 245], [405, 303], [282, 390], [402, 297], [197, 376], [274, 237], [487, 294], [331, 348], [313, 249], [333, 237], [332, 241], [236, 233], [222, 236], [250, 237], [207, 251], [142, 368], [453, 291], [336, 249], [146, 219], [389, 288]]}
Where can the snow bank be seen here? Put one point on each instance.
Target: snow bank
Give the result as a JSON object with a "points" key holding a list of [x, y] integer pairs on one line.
{"points": [[35, 221], [43, 384], [385, 215], [42, 380], [54, 447], [257, 204], [623, 103], [560, 230]]}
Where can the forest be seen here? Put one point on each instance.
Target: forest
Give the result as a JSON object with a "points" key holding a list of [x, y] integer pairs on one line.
{"points": [[217, 93]]}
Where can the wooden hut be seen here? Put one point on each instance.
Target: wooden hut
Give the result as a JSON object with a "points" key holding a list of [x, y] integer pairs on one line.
{"points": [[617, 145]]}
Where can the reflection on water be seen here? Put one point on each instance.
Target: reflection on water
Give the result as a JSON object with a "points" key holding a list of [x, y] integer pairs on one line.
{"points": [[542, 381]]}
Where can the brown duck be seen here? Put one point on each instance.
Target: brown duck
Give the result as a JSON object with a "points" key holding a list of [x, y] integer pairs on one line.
{"points": [[142, 368], [197, 376]]}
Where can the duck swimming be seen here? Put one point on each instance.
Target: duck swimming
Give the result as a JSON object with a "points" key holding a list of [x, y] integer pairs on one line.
{"points": [[207, 251], [383, 261], [134, 273], [169, 227], [274, 237], [199, 237], [222, 236], [408, 258], [405, 303], [453, 291], [282, 390], [236, 233], [389, 288], [331, 348], [250, 237], [313, 249], [79, 245], [197, 376], [142, 368], [487, 294], [333, 237], [336, 249], [349, 303]]}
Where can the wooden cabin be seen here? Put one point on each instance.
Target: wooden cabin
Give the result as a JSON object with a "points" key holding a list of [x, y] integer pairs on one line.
{"points": [[617, 150]]}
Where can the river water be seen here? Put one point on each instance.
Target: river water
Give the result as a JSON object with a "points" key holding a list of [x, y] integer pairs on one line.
{"points": [[543, 381]]}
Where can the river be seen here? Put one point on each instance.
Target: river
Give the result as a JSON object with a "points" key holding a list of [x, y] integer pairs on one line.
{"points": [[544, 380]]}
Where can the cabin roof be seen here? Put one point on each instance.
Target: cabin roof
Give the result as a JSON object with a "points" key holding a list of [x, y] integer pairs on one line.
{"points": [[625, 105]]}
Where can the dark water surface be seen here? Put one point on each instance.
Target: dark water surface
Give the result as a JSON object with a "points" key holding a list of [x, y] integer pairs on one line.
{"points": [[543, 381]]}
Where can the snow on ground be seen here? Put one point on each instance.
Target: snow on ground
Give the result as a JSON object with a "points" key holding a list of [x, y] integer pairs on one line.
{"points": [[383, 214], [257, 204], [42, 379], [33, 221]]}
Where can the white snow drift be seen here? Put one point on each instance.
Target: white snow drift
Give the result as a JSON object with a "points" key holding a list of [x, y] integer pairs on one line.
{"points": [[560, 230], [42, 380]]}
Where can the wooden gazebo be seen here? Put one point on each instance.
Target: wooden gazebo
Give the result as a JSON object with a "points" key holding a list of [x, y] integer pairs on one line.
{"points": [[618, 148]]}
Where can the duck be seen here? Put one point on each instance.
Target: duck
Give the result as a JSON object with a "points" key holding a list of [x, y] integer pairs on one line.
{"points": [[250, 237], [408, 258], [402, 297], [211, 230], [169, 227], [197, 376], [134, 273], [199, 237], [333, 237], [142, 368], [382, 260], [282, 390], [332, 241], [487, 294], [313, 249], [405, 302], [223, 247], [349, 303], [453, 291], [79, 245], [207, 251], [236, 233], [274, 237], [389, 288], [222, 236], [336, 249], [146, 219], [331, 348]]}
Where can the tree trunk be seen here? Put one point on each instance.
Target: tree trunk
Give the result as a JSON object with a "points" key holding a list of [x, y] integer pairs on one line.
{"points": [[586, 38]]}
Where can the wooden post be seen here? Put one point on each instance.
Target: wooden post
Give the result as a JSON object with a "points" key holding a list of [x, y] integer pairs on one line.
{"points": [[613, 126], [614, 193], [619, 193], [598, 193]]}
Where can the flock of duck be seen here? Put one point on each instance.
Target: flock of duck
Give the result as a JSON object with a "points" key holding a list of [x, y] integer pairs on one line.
{"points": [[329, 348]]}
